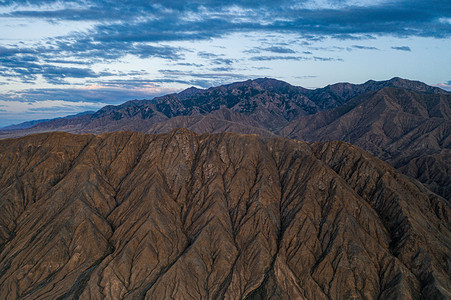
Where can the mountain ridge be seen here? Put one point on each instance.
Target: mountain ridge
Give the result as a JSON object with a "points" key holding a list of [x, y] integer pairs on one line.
{"points": [[271, 83], [409, 129], [397, 125], [127, 215]]}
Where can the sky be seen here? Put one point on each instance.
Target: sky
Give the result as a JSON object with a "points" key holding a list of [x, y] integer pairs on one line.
{"points": [[60, 58]]}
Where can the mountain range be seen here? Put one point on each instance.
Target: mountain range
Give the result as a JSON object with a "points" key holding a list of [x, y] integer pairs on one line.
{"points": [[129, 215], [406, 123]]}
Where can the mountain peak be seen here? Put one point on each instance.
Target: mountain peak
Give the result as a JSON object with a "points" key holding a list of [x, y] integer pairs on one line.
{"points": [[396, 78], [267, 82], [413, 85], [189, 92]]}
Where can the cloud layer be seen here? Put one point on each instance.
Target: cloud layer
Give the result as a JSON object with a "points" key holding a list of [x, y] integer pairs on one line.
{"points": [[141, 29]]}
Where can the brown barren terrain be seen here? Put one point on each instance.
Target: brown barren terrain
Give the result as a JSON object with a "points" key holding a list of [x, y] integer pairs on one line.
{"points": [[184, 216], [405, 123]]}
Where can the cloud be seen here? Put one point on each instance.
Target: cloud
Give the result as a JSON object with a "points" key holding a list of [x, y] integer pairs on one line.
{"points": [[444, 86], [216, 59], [21, 111], [277, 57], [14, 112], [354, 37], [364, 47], [223, 61], [296, 58], [306, 77], [64, 61], [317, 58], [202, 79], [33, 104], [27, 68], [276, 49], [162, 51], [177, 20], [207, 55], [253, 51], [46, 105], [330, 49], [26, 65], [402, 48], [273, 49], [189, 64], [202, 75], [222, 69], [148, 29], [112, 91]]}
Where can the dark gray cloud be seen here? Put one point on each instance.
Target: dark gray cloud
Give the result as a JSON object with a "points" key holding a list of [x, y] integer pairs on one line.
{"points": [[402, 48], [83, 47], [26, 64], [139, 27], [28, 67], [166, 21], [113, 92]]}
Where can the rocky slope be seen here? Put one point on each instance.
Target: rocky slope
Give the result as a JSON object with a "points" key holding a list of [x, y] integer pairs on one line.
{"points": [[222, 120], [406, 123], [410, 130], [184, 216], [267, 103]]}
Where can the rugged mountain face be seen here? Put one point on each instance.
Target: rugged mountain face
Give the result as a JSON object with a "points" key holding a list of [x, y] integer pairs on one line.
{"points": [[409, 130], [222, 120], [270, 103], [130, 215], [337, 94], [406, 123]]}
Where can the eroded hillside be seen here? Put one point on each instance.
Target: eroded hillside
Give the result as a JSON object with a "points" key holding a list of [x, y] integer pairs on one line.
{"points": [[186, 216]]}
